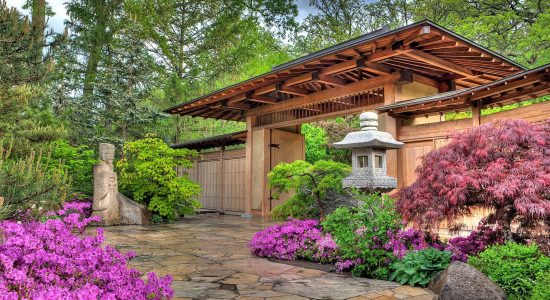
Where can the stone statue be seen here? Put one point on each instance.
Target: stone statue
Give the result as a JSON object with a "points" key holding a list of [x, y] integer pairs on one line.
{"points": [[113, 207], [106, 187]]}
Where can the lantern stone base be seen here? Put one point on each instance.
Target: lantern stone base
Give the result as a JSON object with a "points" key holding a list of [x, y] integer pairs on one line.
{"points": [[369, 183]]}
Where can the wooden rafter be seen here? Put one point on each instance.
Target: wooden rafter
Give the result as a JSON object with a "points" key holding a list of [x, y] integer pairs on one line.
{"points": [[439, 62], [327, 94]]}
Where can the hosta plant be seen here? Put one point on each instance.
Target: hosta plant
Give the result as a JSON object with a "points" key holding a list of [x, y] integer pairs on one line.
{"points": [[419, 267]]}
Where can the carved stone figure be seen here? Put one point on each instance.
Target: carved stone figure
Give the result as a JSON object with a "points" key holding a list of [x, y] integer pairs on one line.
{"points": [[106, 187]]}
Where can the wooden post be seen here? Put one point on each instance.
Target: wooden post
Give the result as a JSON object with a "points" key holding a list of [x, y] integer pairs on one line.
{"points": [[389, 125], [248, 172], [221, 205], [476, 113]]}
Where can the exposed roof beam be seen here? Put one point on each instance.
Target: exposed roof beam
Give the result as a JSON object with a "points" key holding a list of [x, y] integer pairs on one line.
{"points": [[262, 99], [439, 62], [266, 89], [335, 81], [343, 91], [236, 105], [388, 53], [424, 30], [292, 90], [373, 67]]}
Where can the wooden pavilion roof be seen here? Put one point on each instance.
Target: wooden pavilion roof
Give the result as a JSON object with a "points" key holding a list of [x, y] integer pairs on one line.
{"points": [[522, 86], [432, 53], [230, 139]]}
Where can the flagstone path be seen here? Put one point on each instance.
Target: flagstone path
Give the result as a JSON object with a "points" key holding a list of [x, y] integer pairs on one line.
{"points": [[209, 259]]}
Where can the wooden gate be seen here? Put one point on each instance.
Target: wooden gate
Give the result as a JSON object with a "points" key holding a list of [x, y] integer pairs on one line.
{"points": [[221, 175]]}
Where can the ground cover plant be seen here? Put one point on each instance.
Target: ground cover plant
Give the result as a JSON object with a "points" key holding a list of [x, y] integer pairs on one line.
{"points": [[54, 260], [518, 269], [502, 166], [149, 172]]}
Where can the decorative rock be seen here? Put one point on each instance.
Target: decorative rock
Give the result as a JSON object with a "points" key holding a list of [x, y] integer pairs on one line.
{"points": [[131, 212], [462, 281], [105, 202]]}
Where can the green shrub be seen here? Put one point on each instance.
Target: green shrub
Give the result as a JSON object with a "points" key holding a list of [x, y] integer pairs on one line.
{"points": [[28, 186], [541, 290], [79, 162], [296, 207], [148, 172], [513, 266], [419, 267], [309, 183], [362, 232]]}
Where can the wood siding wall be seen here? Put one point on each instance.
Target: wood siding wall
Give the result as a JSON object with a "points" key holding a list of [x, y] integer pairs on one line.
{"points": [[222, 179]]}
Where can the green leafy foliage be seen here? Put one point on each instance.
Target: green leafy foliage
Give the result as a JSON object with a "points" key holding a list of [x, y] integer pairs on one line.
{"points": [[309, 183], [361, 234], [513, 266], [316, 143], [419, 267], [297, 207], [541, 290], [78, 161], [148, 171], [30, 186]]}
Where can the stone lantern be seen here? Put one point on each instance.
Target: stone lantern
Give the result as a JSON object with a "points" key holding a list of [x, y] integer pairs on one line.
{"points": [[368, 148]]}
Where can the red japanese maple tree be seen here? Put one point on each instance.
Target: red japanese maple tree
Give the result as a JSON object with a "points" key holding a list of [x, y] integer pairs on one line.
{"points": [[504, 166]]}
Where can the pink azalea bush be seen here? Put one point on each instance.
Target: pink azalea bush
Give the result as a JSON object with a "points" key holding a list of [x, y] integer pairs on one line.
{"points": [[402, 241], [477, 241], [294, 239], [51, 260]]}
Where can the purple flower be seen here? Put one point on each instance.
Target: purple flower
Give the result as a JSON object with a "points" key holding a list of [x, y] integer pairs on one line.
{"points": [[49, 261], [294, 239]]}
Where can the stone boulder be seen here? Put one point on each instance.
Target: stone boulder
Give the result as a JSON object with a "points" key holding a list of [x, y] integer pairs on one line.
{"points": [[462, 281], [131, 212]]}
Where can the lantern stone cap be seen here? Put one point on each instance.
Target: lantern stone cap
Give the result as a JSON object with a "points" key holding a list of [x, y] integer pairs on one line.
{"points": [[369, 136]]}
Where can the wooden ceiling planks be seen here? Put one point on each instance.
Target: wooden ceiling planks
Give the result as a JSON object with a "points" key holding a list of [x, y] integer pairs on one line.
{"points": [[429, 51]]}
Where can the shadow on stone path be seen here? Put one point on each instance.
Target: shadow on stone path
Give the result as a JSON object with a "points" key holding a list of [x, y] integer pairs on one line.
{"points": [[209, 259]]}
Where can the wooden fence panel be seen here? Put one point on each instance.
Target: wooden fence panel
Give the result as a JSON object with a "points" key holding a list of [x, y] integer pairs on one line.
{"points": [[234, 184], [209, 181]]}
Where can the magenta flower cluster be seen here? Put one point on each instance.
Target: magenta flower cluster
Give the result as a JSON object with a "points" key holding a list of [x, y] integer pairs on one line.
{"points": [[403, 241], [53, 260], [294, 239], [478, 240]]}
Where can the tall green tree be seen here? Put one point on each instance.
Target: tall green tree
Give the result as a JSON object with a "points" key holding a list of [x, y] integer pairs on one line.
{"points": [[24, 115], [204, 45]]}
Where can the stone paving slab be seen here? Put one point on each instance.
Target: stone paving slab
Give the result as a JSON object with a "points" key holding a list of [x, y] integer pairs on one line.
{"points": [[209, 258]]}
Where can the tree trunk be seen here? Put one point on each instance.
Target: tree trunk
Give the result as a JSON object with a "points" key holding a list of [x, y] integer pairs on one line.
{"points": [[38, 27], [100, 37]]}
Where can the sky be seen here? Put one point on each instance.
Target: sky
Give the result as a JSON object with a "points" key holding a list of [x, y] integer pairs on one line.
{"points": [[56, 21]]}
